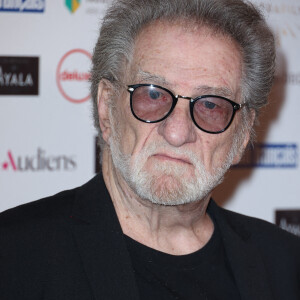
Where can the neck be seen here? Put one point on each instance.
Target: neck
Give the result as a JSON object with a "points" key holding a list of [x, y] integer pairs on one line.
{"points": [[177, 230]]}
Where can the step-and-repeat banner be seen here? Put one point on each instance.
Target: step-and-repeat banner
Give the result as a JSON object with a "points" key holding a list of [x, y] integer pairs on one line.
{"points": [[47, 139]]}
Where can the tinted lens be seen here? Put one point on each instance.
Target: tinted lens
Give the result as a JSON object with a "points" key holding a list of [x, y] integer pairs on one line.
{"points": [[212, 114], [151, 103]]}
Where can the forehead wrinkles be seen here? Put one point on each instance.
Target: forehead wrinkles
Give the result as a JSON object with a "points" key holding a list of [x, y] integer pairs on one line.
{"points": [[155, 32], [183, 27]]}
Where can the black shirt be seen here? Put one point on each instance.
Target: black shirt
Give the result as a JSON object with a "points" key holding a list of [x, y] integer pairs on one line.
{"points": [[204, 274]]}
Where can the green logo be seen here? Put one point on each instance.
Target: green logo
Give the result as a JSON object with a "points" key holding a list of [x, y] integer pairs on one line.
{"points": [[72, 5]]}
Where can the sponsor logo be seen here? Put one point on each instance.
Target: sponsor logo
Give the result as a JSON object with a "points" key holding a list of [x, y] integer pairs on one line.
{"points": [[290, 79], [283, 16], [72, 5], [36, 6], [281, 8], [288, 220], [96, 7], [270, 156], [40, 161], [99, 1], [72, 75], [19, 75]]}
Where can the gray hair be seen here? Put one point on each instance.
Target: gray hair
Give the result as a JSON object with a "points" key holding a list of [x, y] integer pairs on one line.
{"points": [[235, 18]]}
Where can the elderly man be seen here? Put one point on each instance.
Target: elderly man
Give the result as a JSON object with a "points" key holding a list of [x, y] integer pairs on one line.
{"points": [[177, 86]]}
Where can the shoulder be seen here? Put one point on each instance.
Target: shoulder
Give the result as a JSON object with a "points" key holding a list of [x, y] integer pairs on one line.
{"points": [[39, 226], [53, 207], [265, 235], [30, 230], [272, 253], [38, 244]]}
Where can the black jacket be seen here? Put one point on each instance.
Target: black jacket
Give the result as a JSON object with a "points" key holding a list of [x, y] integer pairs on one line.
{"points": [[71, 247]]}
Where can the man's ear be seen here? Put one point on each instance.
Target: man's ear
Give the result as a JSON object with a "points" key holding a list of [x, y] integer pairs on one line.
{"points": [[103, 97], [246, 140]]}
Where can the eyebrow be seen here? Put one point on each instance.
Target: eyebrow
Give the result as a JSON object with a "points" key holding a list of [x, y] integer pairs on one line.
{"points": [[220, 91], [147, 77], [151, 78]]}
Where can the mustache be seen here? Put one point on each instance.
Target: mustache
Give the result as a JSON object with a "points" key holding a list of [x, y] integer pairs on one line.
{"points": [[162, 147]]}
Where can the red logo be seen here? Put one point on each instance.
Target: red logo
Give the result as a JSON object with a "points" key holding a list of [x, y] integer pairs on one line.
{"points": [[39, 161], [72, 75], [10, 162]]}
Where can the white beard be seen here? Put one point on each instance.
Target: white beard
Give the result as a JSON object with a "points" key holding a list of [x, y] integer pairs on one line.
{"points": [[166, 183]]}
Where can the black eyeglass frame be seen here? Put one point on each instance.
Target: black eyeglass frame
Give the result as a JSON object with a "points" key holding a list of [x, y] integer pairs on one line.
{"points": [[235, 106]]}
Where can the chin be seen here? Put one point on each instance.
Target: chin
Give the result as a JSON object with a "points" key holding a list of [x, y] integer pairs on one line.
{"points": [[166, 189]]}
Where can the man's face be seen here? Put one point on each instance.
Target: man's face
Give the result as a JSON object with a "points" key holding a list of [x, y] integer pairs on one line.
{"points": [[173, 162]]}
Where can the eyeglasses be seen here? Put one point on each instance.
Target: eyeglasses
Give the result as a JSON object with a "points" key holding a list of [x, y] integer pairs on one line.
{"points": [[210, 113]]}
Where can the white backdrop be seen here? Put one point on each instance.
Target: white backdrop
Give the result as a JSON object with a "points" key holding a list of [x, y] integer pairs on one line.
{"points": [[47, 141]]}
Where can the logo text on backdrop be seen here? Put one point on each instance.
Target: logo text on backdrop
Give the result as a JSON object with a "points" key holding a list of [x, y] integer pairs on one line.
{"points": [[35, 6], [270, 156], [39, 161], [19, 75], [288, 220], [72, 75]]}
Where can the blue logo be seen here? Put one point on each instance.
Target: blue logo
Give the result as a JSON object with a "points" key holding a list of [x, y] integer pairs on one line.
{"points": [[270, 156], [36, 6]]}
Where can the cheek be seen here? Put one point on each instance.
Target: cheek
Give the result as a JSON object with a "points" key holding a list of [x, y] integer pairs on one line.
{"points": [[215, 149], [133, 134], [126, 133], [144, 135]]}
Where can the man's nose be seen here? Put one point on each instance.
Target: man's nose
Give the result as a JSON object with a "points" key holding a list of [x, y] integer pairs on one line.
{"points": [[178, 129]]}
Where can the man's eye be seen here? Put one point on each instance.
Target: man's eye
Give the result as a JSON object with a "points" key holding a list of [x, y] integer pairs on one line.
{"points": [[154, 94], [209, 105]]}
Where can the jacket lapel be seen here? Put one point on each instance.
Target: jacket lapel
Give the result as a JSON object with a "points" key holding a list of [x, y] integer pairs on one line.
{"points": [[244, 258], [100, 242]]}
